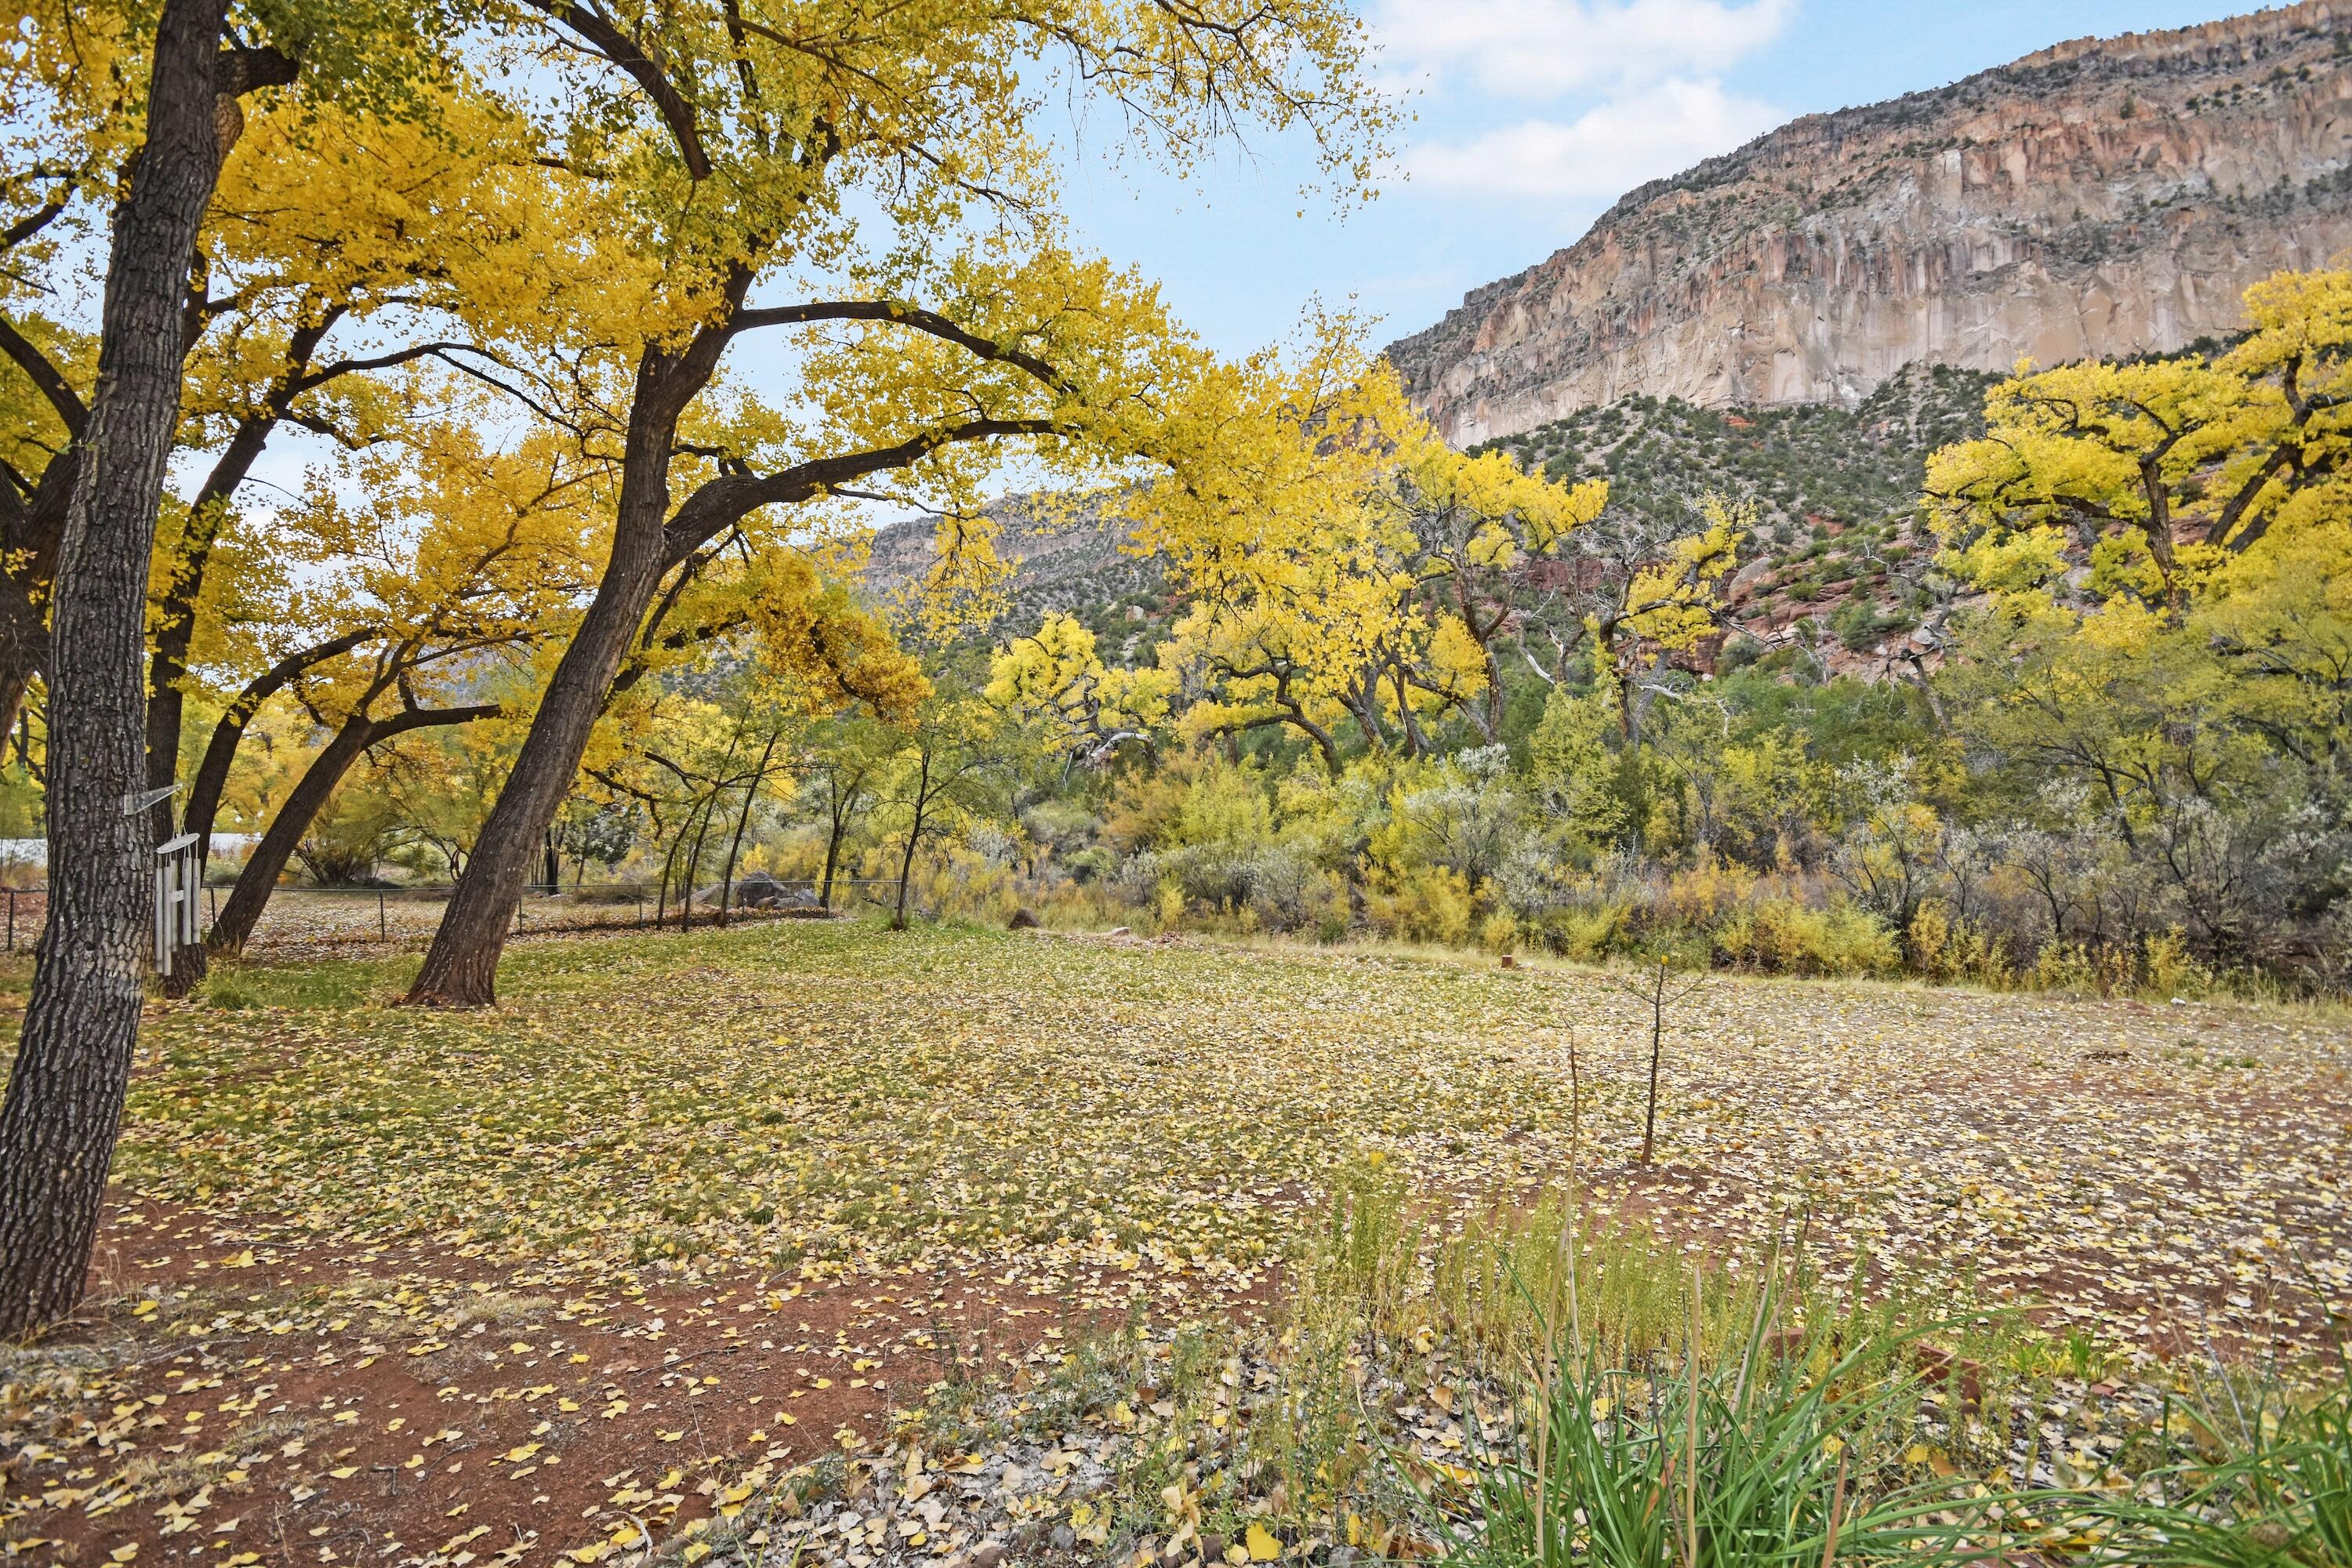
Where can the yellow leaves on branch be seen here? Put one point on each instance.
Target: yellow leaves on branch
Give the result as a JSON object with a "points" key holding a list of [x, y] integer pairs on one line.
{"points": [[1486, 511], [1670, 602], [1054, 677], [2156, 473], [459, 214], [830, 652]]}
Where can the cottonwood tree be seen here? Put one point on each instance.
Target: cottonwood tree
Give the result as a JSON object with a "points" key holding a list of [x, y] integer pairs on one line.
{"points": [[459, 563], [1297, 566], [1053, 677], [2162, 549], [2154, 472], [341, 249], [750, 150], [706, 748], [1363, 576], [1627, 596], [841, 767], [65, 1092], [334, 236], [1478, 524], [792, 649]]}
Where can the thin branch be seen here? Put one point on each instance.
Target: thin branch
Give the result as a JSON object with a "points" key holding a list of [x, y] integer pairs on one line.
{"points": [[915, 316]]}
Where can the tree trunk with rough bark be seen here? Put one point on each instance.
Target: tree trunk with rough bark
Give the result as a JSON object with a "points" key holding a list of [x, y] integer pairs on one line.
{"points": [[64, 1104], [24, 647], [461, 967]]}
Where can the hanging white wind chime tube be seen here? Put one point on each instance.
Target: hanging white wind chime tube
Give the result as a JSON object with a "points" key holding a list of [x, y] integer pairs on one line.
{"points": [[179, 882]]}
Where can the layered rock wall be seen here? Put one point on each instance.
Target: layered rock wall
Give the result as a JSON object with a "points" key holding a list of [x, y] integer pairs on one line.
{"points": [[2103, 197]]}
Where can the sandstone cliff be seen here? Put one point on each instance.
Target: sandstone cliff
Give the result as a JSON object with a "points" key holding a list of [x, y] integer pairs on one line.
{"points": [[2103, 197]]}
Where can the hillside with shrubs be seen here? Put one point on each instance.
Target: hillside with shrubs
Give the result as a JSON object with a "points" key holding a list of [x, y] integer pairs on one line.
{"points": [[1815, 692]]}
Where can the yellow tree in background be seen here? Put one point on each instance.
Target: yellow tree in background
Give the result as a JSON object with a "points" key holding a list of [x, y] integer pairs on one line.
{"points": [[344, 252], [1477, 523], [2154, 473], [2165, 554], [1055, 677], [446, 562], [1350, 565]]}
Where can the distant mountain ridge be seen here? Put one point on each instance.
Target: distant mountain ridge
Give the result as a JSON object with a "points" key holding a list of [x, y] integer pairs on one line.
{"points": [[2101, 199]]}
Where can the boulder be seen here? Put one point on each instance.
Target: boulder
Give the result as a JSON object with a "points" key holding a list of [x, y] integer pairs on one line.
{"points": [[758, 891]]}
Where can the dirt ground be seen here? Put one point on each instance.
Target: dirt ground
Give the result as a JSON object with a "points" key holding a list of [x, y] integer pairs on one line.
{"points": [[408, 1403]]}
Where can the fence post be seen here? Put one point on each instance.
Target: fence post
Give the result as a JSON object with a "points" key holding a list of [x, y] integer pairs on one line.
{"points": [[211, 904], [382, 931], [12, 919]]}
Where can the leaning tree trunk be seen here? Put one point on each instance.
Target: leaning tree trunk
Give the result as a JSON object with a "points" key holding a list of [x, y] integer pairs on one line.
{"points": [[24, 646], [268, 863], [906, 870], [832, 855], [64, 1104], [461, 967]]}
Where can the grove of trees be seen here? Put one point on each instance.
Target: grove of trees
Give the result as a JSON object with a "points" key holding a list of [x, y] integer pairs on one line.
{"points": [[610, 318]]}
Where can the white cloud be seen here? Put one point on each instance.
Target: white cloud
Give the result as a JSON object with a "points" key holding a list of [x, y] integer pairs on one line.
{"points": [[1604, 153], [1543, 48]]}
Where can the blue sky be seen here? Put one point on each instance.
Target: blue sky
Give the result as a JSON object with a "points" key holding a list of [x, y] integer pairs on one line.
{"points": [[1531, 117]]}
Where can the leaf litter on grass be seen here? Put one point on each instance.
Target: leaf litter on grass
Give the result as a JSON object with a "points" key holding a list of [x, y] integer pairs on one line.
{"points": [[1104, 1124]]}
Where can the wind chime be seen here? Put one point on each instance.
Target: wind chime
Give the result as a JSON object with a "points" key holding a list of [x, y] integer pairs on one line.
{"points": [[179, 882]]}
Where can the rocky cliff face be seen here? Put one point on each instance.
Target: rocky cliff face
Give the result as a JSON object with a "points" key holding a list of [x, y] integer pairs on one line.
{"points": [[2103, 197]]}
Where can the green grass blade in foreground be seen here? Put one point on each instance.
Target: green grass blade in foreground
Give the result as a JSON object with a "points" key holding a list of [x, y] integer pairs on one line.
{"points": [[1790, 1444], [2276, 1493]]}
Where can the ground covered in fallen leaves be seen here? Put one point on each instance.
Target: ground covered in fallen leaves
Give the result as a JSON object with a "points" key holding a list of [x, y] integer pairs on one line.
{"points": [[686, 1214]]}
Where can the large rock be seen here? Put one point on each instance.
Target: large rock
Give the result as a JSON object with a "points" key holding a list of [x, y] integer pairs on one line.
{"points": [[2103, 197], [761, 891]]}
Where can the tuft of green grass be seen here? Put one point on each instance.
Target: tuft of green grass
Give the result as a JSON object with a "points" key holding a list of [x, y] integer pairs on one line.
{"points": [[2267, 1482], [1774, 1460]]}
